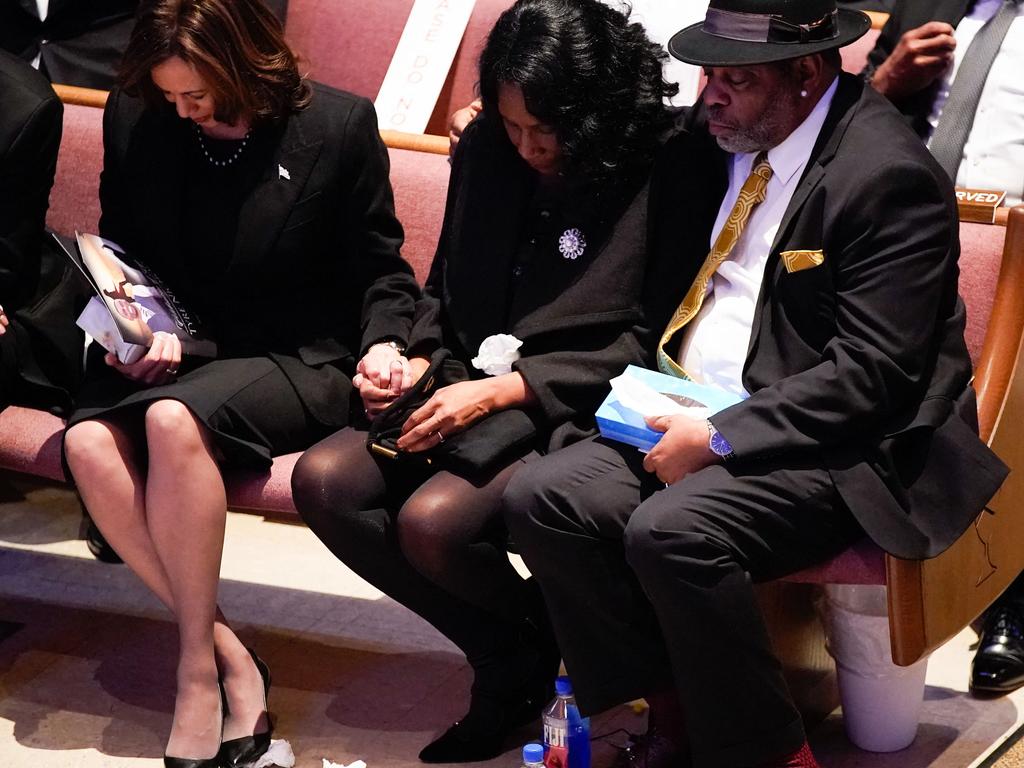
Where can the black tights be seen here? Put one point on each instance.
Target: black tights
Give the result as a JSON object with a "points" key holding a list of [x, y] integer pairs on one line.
{"points": [[433, 541]]}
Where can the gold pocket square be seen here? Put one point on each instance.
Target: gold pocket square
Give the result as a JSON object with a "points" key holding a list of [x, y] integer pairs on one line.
{"points": [[796, 261]]}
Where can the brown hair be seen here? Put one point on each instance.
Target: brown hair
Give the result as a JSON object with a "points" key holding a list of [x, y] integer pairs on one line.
{"points": [[237, 46]]}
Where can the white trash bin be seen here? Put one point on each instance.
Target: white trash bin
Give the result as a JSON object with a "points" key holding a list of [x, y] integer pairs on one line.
{"points": [[881, 701]]}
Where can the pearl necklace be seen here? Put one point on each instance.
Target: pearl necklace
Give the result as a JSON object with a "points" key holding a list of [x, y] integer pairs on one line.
{"points": [[229, 161]]}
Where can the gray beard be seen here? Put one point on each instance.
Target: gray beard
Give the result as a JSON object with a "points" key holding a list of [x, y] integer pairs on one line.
{"points": [[768, 130]]}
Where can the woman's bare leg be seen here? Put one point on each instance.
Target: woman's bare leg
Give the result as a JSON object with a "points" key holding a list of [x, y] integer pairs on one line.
{"points": [[105, 465], [186, 510], [104, 461]]}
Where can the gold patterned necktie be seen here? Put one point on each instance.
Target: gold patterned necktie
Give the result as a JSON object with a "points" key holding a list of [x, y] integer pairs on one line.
{"points": [[751, 195]]}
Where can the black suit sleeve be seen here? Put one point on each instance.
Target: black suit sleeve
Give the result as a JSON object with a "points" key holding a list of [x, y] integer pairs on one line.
{"points": [[28, 162], [896, 245], [389, 284]]}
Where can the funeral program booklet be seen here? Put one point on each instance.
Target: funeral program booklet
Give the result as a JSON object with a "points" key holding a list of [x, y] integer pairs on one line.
{"points": [[131, 304]]}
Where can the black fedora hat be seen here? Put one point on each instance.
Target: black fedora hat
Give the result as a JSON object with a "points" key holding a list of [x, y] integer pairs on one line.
{"points": [[741, 32]]}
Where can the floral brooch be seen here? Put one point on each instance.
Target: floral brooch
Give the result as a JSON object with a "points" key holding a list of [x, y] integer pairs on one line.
{"points": [[572, 244]]}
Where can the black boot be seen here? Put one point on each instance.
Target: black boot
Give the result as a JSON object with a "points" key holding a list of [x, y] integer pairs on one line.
{"points": [[509, 691]]}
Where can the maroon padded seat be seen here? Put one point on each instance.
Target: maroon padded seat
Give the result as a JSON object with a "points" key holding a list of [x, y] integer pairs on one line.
{"points": [[420, 182], [349, 45], [74, 199], [31, 442]]}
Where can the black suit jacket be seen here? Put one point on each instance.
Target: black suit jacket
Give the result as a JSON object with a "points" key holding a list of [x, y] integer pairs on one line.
{"points": [[905, 16], [861, 362], [80, 41], [42, 349], [581, 320], [316, 273]]}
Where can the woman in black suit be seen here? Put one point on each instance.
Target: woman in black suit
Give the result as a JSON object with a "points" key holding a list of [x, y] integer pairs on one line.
{"points": [[263, 203], [543, 240]]}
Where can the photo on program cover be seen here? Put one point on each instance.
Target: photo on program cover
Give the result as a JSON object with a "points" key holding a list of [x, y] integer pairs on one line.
{"points": [[131, 303]]}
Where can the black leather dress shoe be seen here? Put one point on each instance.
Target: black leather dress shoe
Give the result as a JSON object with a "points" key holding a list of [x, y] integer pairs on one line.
{"points": [[998, 665], [462, 743], [652, 750]]}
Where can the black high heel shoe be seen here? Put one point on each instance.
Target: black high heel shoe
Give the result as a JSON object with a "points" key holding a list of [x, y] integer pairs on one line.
{"points": [[247, 749], [202, 762]]}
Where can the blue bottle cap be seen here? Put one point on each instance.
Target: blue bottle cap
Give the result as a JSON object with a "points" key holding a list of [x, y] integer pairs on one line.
{"points": [[562, 686], [533, 753]]}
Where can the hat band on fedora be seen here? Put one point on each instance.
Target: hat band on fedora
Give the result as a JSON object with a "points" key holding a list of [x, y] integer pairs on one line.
{"points": [[768, 28]]}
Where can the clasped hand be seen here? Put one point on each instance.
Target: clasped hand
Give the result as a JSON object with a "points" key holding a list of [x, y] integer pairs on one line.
{"points": [[160, 364], [683, 448], [4, 322], [383, 374]]}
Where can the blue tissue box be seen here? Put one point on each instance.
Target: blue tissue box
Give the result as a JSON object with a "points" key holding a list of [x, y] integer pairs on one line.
{"points": [[618, 422]]}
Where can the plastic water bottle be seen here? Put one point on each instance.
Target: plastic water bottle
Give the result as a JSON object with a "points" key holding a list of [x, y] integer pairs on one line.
{"points": [[566, 734], [533, 756]]}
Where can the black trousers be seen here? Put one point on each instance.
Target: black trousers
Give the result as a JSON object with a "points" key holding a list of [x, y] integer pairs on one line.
{"points": [[651, 588]]}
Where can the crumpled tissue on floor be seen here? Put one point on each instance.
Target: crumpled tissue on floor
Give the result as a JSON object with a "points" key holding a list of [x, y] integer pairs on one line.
{"points": [[280, 755], [356, 764]]}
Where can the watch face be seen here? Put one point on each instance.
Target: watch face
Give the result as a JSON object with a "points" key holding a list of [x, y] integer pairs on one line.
{"points": [[719, 445]]}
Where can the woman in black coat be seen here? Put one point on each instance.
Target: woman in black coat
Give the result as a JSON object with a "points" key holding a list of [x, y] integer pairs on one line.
{"points": [[543, 245], [263, 204]]}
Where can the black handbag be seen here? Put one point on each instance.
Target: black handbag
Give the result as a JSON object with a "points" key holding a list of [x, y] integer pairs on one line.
{"points": [[485, 446]]}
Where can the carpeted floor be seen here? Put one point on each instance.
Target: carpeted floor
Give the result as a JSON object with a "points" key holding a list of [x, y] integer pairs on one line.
{"points": [[86, 661], [1011, 755]]}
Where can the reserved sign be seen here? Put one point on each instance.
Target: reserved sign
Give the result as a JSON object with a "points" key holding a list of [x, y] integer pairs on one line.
{"points": [[979, 205], [421, 63]]}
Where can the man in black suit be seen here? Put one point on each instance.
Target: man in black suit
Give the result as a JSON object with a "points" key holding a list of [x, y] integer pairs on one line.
{"points": [[40, 347], [922, 52], [911, 65], [829, 304], [75, 42]]}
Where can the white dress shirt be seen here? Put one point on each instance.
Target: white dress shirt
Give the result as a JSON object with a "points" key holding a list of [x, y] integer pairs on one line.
{"points": [[43, 6], [994, 152], [715, 343]]}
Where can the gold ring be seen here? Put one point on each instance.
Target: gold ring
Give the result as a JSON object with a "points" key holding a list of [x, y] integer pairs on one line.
{"points": [[440, 437]]}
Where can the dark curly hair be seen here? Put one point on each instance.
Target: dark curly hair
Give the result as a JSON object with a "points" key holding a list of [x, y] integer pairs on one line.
{"points": [[587, 72], [237, 46]]}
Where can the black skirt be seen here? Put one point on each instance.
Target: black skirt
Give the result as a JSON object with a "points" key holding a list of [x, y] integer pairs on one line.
{"points": [[249, 406]]}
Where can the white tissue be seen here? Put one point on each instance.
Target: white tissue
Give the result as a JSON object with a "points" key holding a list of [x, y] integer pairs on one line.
{"points": [[280, 754], [642, 399], [497, 353], [356, 764]]}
